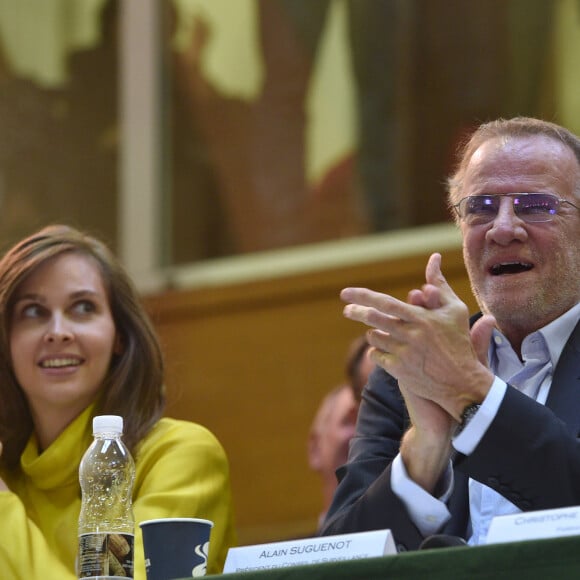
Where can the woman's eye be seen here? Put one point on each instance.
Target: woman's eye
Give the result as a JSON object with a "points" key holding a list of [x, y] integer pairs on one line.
{"points": [[84, 307], [31, 311]]}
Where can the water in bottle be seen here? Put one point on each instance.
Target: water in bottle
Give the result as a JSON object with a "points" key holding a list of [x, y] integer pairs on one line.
{"points": [[106, 523]]}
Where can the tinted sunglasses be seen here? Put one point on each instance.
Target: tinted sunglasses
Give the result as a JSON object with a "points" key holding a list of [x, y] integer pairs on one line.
{"points": [[529, 207]]}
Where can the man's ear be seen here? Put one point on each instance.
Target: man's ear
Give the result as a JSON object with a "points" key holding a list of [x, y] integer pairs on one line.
{"points": [[314, 460]]}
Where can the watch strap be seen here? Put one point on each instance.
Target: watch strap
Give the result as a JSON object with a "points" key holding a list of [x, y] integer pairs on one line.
{"points": [[468, 414]]}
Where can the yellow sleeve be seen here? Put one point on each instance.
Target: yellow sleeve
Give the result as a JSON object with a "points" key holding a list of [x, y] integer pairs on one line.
{"points": [[24, 551], [182, 471]]}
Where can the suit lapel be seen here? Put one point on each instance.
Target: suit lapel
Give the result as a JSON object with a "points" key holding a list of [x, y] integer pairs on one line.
{"points": [[564, 397]]}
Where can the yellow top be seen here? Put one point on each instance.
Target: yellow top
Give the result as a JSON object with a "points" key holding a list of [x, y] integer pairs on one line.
{"points": [[181, 471]]}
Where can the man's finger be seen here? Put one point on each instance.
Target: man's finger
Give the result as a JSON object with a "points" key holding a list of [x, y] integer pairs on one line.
{"points": [[434, 276], [433, 273], [383, 303], [428, 297]]}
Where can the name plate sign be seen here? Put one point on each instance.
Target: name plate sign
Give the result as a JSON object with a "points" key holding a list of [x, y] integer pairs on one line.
{"points": [[535, 525], [310, 551]]}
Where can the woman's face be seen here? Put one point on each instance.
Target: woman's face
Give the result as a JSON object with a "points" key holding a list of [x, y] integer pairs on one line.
{"points": [[62, 336]]}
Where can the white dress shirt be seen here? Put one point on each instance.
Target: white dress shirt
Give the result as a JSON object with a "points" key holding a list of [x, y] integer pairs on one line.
{"points": [[541, 350]]}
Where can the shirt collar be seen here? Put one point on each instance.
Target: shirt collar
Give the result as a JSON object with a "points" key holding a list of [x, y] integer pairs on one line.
{"points": [[554, 335], [557, 332], [58, 464]]}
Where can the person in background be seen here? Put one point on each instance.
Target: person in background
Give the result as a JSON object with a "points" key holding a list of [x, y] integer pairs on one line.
{"points": [[74, 343], [459, 425], [358, 365], [334, 423], [329, 437]]}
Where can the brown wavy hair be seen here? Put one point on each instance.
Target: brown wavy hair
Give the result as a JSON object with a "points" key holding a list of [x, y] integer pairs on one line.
{"points": [[133, 387]]}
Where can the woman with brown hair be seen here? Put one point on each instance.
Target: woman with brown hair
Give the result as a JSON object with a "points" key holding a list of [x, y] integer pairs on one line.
{"points": [[74, 343]]}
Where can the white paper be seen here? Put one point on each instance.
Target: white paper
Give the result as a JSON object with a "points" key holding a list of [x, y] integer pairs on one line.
{"points": [[535, 525], [310, 551]]}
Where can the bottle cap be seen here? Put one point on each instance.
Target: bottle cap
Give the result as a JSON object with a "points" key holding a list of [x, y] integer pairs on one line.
{"points": [[107, 424]]}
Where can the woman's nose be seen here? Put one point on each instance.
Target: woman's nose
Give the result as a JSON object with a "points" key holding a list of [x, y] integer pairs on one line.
{"points": [[58, 330]]}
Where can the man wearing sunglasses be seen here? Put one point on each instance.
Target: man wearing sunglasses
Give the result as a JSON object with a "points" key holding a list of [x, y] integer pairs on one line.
{"points": [[468, 419]]}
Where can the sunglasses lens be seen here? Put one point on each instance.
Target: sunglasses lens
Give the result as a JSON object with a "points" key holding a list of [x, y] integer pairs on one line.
{"points": [[536, 206], [480, 208]]}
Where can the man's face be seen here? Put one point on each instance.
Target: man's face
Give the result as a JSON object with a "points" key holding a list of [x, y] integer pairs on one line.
{"points": [[332, 431], [525, 274]]}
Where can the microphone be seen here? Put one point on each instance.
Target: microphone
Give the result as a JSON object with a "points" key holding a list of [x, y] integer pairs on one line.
{"points": [[441, 541]]}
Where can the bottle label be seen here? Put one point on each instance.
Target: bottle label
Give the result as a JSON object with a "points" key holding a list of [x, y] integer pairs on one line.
{"points": [[106, 555]]}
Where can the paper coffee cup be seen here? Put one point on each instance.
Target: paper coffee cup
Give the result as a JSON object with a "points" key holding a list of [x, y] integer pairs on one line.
{"points": [[176, 547]]}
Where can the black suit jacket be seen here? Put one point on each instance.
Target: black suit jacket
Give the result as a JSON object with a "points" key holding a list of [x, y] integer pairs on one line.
{"points": [[530, 454]]}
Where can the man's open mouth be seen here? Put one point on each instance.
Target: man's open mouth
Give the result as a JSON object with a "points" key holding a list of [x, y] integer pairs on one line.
{"points": [[510, 268]]}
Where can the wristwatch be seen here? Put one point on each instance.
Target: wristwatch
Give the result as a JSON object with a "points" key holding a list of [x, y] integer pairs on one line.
{"points": [[468, 414]]}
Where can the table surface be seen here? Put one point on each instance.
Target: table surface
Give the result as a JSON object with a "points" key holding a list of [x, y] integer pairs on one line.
{"points": [[557, 558]]}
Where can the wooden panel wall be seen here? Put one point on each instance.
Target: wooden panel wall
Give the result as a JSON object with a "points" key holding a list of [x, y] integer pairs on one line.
{"points": [[251, 361]]}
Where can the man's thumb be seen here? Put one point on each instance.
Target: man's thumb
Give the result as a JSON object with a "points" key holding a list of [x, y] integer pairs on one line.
{"points": [[481, 335]]}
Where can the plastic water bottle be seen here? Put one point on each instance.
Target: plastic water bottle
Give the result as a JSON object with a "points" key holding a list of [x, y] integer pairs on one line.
{"points": [[106, 522]]}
